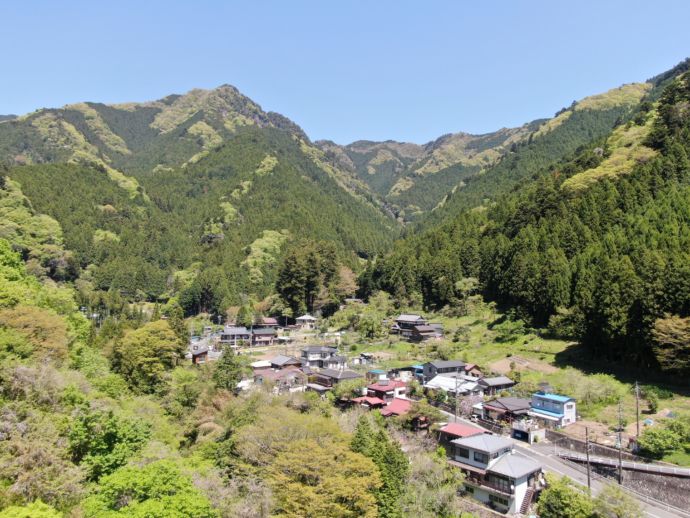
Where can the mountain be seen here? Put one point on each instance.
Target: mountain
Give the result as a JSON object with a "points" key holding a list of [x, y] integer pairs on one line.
{"points": [[7, 117], [582, 230], [414, 178], [151, 196]]}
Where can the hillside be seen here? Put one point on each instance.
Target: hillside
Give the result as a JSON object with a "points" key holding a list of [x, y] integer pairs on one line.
{"points": [[595, 246], [151, 198], [414, 178]]}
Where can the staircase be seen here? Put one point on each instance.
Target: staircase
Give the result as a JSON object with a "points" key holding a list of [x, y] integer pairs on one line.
{"points": [[529, 494]]}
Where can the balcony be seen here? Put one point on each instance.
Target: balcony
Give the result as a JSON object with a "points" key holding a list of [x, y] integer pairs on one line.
{"points": [[484, 483], [525, 425]]}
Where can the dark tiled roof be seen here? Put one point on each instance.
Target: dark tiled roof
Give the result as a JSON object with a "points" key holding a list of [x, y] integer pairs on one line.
{"points": [[444, 364], [339, 375]]}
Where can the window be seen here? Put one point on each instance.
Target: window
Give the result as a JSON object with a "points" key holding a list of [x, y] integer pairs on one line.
{"points": [[469, 489], [462, 452], [498, 500], [481, 457]]}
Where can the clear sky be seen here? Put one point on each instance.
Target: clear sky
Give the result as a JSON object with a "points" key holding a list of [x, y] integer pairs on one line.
{"points": [[343, 70]]}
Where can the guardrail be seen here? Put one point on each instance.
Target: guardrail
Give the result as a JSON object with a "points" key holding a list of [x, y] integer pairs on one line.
{"points": [[640, 496]]}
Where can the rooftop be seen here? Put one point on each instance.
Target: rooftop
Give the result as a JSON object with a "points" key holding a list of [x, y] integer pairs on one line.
{"points": [[515, 465], [264, 331], [509, 403], [553, 397], [232, 330], [339, 375], [398, 406], [409, 318], [461, 430], [369, 400], [485, 443], [425, 329], [386, 385], [495, 381], [444, 364], [306, 317], [281, 359]]}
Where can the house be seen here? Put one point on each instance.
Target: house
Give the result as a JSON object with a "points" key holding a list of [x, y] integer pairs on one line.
{"points": [[363, 359], [506, 409], [199, 354], [269, 322], [387, 389], [290, 379], [328, 378], [424, 333], [453, 431], [436, 367], [404, 324], [553, 410], [527, 430], [455, 383], [323, 357], [369, 402], [281, 362], [306, 322], [407, 373], [375, 374], [264, 336], [235, 336], [494, 474], [471, 369], [396, 407], [494, 385]]}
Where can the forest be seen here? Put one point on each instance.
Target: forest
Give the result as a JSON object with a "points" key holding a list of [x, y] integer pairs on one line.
{"points": [[594, 249]]}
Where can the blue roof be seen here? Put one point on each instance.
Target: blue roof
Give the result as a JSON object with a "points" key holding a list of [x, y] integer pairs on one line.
{"points": [[378, 371], [418, 367], [554, 397], [546, 412]]}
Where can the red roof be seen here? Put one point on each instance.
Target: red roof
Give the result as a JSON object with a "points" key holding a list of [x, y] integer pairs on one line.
{"points": [[391, 385], [397, 407], [461, 430], [270, 321], [371, 401]]}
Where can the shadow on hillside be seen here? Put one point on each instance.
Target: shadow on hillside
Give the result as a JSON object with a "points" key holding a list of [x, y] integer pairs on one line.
{"points": [[576, 355]]}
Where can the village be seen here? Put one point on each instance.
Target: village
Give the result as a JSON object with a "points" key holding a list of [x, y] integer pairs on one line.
{"points": [[502, 440]]}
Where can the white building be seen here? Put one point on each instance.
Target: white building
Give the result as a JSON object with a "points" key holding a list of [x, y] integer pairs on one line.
{"points": [[306, 322], [553, 410], [495, 475]]}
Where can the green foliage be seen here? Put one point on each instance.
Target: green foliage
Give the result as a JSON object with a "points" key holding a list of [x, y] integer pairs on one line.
{"points": [[144, 355], [229, 370], [35, 509], [101, 442], [657, 442], [562, 500], [157, 489], [614, 502], [607, 265], [392, 463]]}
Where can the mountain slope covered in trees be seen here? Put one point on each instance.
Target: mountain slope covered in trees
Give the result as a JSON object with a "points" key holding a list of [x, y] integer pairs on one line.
{"points": [[596, 247]]}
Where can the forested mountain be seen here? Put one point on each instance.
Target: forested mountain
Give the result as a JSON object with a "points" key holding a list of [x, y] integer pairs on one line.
{"points": [[197, 196], [595, 246], [413, 178]]}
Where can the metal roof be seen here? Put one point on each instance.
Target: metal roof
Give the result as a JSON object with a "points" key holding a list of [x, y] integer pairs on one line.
{"points": [[485, 443], [553, 397], [514, 465]]}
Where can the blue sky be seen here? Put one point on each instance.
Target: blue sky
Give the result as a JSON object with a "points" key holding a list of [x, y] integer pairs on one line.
{"points": [[343, 70]]}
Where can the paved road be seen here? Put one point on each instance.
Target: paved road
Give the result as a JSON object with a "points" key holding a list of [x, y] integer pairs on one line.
{"points": [[552, 463]]}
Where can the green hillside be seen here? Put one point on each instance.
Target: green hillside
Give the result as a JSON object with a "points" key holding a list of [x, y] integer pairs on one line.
{"points": [[595, 247]]}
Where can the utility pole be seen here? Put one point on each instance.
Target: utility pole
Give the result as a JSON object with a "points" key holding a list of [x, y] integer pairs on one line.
{"points": [[589, 480], [620, 444], [456, 398], [637, 407]]}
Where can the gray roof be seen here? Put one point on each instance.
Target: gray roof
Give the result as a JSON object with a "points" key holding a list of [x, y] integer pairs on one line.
{"points": [[306, 317], [443, 364], [320, 349], [281, 359], [484, 442], [425, 329], [409, 318], [510, 403], [264, 331], [236, 331], [339, 375], [201, 349], [515, 465], [496, 381]]}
